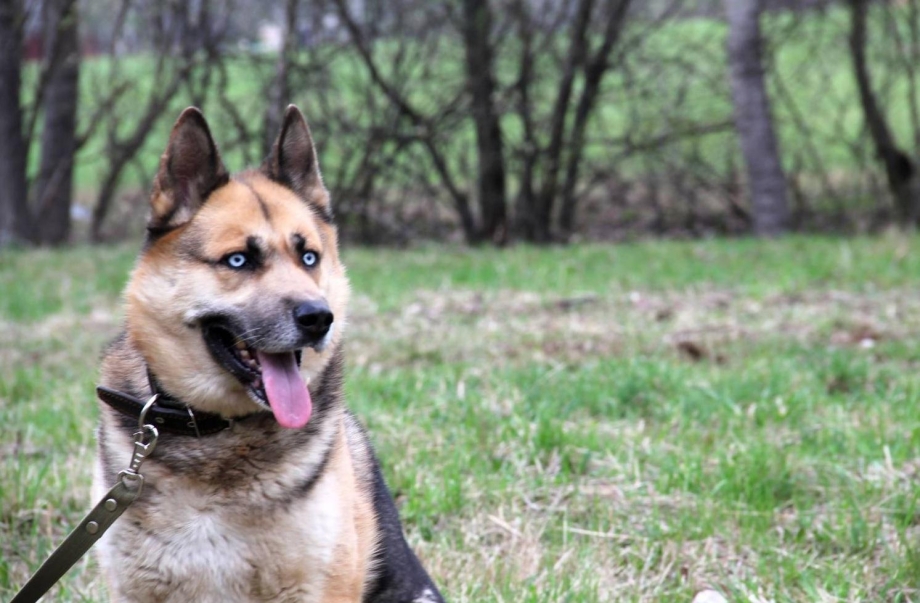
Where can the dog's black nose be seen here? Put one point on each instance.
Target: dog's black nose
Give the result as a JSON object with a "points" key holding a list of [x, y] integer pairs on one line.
{"points": [[314, 318]]}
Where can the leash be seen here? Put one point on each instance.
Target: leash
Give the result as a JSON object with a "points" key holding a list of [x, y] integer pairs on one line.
{"points": [[113, 504]]}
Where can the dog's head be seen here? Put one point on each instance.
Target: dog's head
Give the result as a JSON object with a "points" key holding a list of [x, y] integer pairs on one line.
{"points": [[239, 297]]}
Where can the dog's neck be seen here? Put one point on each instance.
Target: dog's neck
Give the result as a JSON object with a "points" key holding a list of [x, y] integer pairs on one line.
{"points": [[216, 459], [167, 418]]}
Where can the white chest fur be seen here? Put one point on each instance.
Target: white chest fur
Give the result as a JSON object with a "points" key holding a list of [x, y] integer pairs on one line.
{"points": [[187, 545], [248, 540]]}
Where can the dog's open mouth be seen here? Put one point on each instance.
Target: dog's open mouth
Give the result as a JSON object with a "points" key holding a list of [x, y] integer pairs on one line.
{"points": [[272, 379]]}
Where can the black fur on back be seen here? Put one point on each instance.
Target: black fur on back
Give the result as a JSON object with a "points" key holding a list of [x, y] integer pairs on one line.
{"points": [[399, 576]]}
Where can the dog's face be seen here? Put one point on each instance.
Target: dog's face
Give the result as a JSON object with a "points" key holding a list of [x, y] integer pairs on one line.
{"points": [[240, 286]]}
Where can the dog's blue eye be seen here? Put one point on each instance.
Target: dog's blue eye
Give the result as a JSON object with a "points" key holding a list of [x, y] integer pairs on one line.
{"points": [[310, 259], [236, 260]]}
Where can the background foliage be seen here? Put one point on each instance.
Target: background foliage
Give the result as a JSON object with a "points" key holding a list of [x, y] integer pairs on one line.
{"points": [[390, 91]]}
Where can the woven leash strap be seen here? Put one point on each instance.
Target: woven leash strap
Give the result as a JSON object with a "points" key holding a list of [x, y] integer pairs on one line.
{"points": [[93, 526], [113, 504]]}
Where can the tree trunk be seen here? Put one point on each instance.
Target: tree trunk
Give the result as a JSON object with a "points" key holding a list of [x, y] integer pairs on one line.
{"points": [[279, 93], [594, 70], [54, 186], [753, 120], [526, 199], [540, 227], [15, 221], [477, 20], [899, 169]]}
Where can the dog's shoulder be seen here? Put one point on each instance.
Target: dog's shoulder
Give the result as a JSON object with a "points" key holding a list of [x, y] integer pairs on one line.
{"points": [[397, 576]]}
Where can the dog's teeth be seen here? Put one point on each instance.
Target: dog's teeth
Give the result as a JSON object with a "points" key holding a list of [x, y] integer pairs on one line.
{"points": [[244, 353], [240, 345]]}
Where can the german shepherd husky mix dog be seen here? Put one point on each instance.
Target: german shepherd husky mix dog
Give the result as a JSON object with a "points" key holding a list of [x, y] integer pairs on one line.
{"points": [[262, 486]]}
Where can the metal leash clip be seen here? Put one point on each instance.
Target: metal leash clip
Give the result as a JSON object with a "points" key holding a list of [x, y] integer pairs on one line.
{"points": [[145, 441]]}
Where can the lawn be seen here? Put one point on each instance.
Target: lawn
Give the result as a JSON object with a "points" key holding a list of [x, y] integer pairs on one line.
{"points": [[587, 423]]}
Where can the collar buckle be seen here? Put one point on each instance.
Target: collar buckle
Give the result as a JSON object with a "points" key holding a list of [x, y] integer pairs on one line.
{"points": [[193, 423]]}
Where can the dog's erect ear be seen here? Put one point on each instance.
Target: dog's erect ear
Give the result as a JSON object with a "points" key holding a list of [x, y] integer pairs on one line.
{"points": [[292, 161], [190, 170]]}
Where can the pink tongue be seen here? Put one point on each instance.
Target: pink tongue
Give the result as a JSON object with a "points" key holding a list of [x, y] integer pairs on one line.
{"points": [[287, 393]]}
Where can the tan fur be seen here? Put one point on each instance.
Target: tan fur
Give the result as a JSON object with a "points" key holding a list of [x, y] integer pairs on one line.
{"points": [[351, 562], [213, 529], [157, 301], [321, 552]]}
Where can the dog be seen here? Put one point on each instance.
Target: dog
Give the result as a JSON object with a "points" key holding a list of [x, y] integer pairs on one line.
{"points": [[262, 485]]}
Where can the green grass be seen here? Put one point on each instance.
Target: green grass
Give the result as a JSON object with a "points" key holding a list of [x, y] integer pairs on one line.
{"points": [[589, 423]]}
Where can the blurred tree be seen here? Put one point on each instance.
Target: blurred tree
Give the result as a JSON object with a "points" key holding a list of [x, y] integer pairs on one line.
{"points": [[54, 184], [425, 126], [476, 27], [15, 221], [900, 170], [552, 155], [39, 213], [594, 69], [279, 94], [541, 120], [753, 120], [182, 35]]}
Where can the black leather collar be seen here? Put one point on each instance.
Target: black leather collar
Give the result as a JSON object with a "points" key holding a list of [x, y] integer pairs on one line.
{"points": [[165, 417]]}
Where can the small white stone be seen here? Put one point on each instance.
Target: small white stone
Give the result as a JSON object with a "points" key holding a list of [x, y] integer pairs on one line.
{"points": [[709, 596]]}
